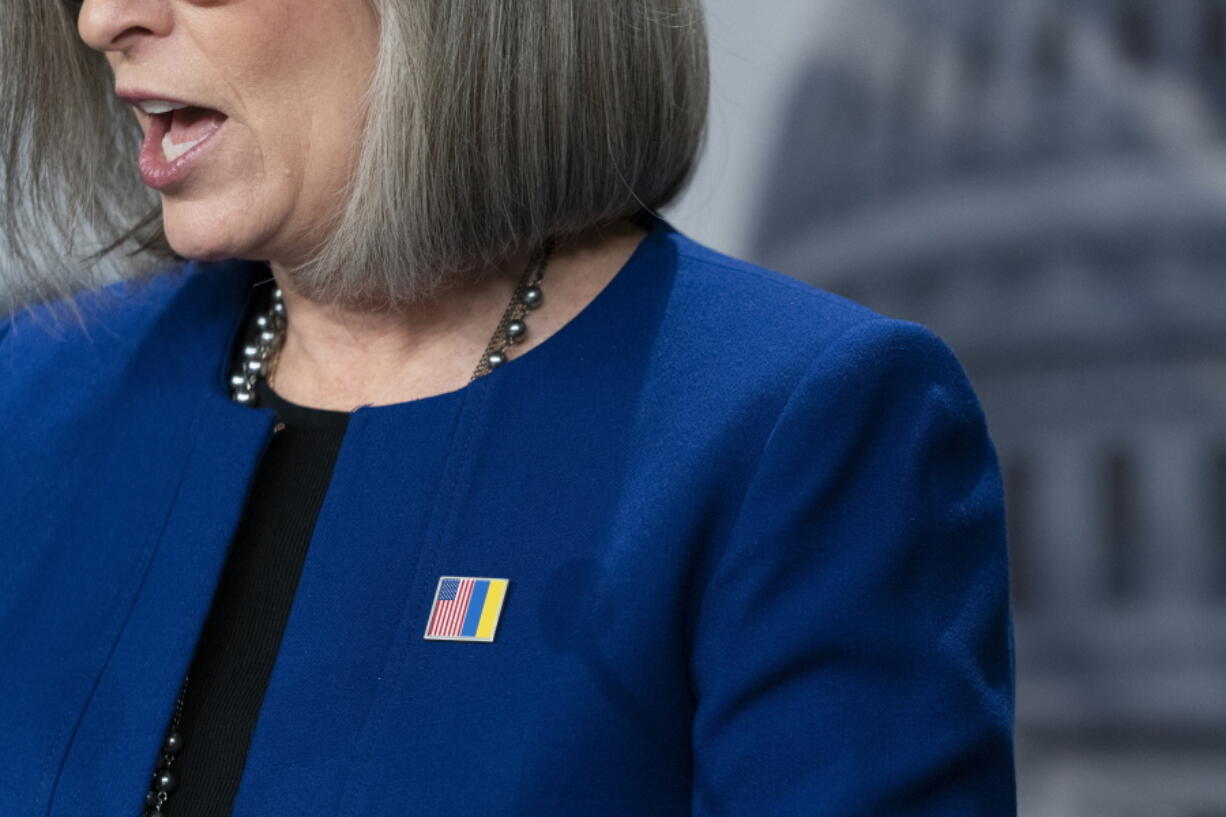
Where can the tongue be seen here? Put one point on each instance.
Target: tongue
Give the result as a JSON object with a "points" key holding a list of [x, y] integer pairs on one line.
{"points": [[190, 124]]}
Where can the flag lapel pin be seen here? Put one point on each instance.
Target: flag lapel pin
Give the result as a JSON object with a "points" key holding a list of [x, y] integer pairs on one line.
{"points": [[465, 608]]}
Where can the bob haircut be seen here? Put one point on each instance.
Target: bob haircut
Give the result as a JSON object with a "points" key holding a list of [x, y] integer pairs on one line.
{"points": [[489, 127]]}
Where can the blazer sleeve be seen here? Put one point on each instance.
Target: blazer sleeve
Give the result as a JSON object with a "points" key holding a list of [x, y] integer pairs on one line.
{"points": [[852, 650]]}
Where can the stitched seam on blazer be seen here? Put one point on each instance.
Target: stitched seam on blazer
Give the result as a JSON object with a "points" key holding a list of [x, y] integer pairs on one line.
{"points": [[709, 560], [402, 637]]}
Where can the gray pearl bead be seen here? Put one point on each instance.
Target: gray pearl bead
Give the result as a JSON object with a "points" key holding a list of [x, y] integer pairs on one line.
{"points": [[173, 743], [495, 359], [243, 397], [533, 297], [277, 294], [166, 781], [251, 351], [262, 322], [238, 381], [278, 309], [267, 337], [516, 331], [254, 366]]}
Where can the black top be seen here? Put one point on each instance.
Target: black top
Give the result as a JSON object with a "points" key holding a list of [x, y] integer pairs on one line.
{"points": [[240, 639]]}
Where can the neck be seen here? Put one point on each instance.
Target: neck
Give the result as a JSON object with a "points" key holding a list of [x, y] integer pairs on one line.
{"points": [[339, 359]]}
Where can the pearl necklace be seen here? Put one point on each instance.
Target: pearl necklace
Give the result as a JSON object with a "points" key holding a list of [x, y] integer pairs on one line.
{"points": [[268, 334], [265, 337]]}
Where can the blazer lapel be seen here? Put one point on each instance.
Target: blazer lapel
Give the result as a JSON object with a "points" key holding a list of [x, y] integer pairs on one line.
{"points": [[115, 745]]}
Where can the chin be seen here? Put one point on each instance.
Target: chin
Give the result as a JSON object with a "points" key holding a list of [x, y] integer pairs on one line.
{"points": [[199, 248], [206, 239], [199, 252]]}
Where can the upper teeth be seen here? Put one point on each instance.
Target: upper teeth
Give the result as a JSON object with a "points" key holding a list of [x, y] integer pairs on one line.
{"points": [[156, 106]]}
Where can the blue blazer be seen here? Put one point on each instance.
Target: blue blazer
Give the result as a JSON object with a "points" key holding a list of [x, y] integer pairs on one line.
{"points": [[753, 532]]}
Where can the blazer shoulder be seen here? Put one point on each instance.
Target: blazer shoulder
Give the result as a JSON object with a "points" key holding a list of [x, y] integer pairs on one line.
{"points": [[764, 288], [112, 308], [90, 335], [765, 330]]}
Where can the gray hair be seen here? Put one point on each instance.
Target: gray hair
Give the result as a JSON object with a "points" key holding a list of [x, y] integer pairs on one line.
{"points": [[490, 126]]}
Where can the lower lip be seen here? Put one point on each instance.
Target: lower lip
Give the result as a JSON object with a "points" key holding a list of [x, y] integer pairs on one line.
{"points": [[155, 169]]}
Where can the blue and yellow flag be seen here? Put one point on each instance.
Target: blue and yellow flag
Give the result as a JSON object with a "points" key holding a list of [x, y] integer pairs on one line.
{"points": [[466, 608]]}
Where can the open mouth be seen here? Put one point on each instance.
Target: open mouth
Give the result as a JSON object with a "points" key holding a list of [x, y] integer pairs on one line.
{"points": [[186, 128], [175, 138]]}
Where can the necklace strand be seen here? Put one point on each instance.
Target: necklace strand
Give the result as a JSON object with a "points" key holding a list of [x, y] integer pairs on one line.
{"points": [[265, 338], [264, 341]]}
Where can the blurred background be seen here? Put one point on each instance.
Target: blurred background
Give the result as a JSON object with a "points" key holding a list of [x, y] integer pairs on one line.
{"points": [[1043, 183]]}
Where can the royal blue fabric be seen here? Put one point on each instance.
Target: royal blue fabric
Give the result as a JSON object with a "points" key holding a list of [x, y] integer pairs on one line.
{"points": [[754, 534]]}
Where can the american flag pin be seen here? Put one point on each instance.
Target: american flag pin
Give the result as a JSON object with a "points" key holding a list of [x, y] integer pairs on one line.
{"points": [[466, 608]]}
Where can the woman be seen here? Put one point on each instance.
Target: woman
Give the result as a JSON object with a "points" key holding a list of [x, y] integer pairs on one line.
{"points": [[288, 532]]}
